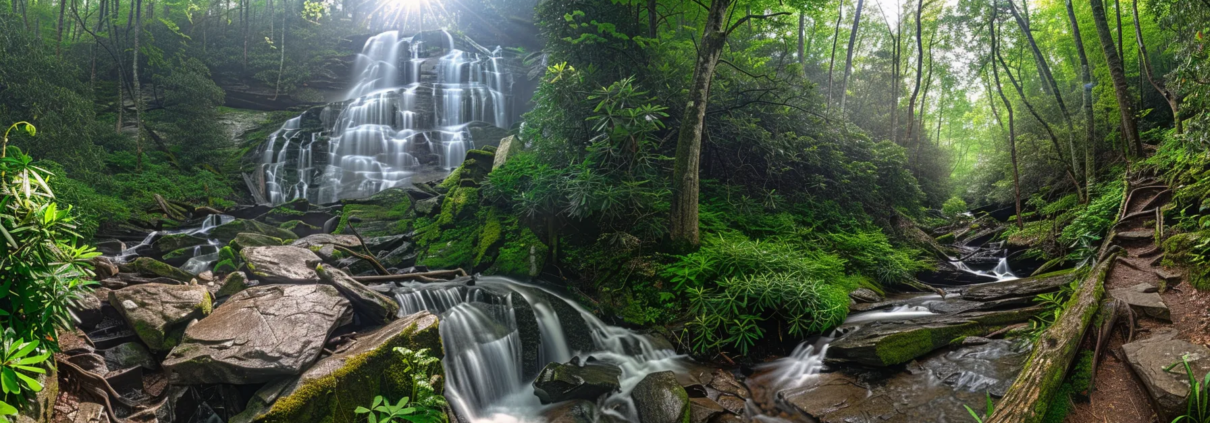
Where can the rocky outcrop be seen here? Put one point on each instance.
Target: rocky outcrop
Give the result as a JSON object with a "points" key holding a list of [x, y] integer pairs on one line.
{"points": [[576, 411], [281, 264], [372, 308], [560, 382], [369, 367], [893, 342], [151, 267], [659, 398], [157, 312], [258, 335], [1150, 358]]}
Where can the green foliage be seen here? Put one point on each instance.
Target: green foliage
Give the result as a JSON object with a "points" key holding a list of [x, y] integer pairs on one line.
{"points": [[954, 207], [425, 406], [1075, 387], [1053, 305], [43, 267], [1096, 219], [1197, 409], [190, 116], [731, 315], [991, 408], [20, 365]]}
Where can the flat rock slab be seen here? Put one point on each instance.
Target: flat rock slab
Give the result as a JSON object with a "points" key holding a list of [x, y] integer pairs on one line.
{"points": [[1026, 287], [1168, 389], [155, 311], [1142, 235], [281, 264], [1143, 299], [891, 342], [319, 240], [259, 334]]}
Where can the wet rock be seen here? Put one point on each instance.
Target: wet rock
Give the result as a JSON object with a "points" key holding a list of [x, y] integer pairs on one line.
{"points": [[562, 382], [232, 284], [574, 411], [947, 274], [320, 240], [865, 295], [827, 394], [281, 264], [130, 354], [1167, 389], [893, 342], [402, 256], [1026, 287], [227, 232], [725, 382], [87, 310], [156, 311], [258, 335], [509, 146], [245, 240], [1144, 300], [110, 247], [732, 403], [369, 367], [658, 398], [701, 410], [103, 268], [173, 242], [151, 267], [385, 243], [374, 308], [530, 334]]}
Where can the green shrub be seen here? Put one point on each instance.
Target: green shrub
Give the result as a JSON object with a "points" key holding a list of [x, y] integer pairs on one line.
{"points": [[954, 207], [425, 405]]}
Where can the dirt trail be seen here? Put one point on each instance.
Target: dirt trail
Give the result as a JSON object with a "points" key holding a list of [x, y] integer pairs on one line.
{"points": [[1117, 395]]}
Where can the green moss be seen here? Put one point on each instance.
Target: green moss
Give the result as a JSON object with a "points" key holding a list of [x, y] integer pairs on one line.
{"points": [[460, 203], [946, 239], [513, 258], [150, 266], [455, 248], [173, 242], [1075, 388], [225, 266], [182, 253], [232, 229], [489, 237]]}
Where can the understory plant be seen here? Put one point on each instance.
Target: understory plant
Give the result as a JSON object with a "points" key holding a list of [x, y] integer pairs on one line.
{"points": [[1198, 408], [424, 406], [991, 408], [20, 365]]}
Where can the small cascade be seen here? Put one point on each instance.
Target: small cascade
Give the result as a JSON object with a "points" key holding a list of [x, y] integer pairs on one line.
{"points": [[203, 255], [415, 104], [900, 312], [485, 349]]}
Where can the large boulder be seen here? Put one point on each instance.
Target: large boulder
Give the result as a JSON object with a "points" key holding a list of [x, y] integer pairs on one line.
{"points": [[1152, 360], [281, 264], [320, 240], [368, 368], [151, 267], [562, 382], [891, 342], [372, 307], [659, 398], [228, 231], [258, 335], [158, 311]]}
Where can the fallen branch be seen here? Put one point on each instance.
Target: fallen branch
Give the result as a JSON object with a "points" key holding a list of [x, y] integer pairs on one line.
{"points": [[377, 266], [1112, 307], [433, 276]]}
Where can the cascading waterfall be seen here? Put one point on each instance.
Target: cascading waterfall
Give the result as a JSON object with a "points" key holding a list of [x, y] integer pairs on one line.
{"points": [[203, 255], [410, 107], [485, 351]]}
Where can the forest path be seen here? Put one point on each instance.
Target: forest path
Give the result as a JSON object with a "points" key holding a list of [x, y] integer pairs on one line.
{"points": [[1117, 395]]}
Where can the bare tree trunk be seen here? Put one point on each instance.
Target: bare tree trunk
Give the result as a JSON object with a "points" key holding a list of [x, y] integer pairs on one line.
{"points": [[59, 40], [685, 178], [281, 65], [652, 22], [1008, 106], [138, 95], [919, 71], [1086, 78], [832, 61], [1121, 88], [802, 27], [848, 63], [1174, 102]]}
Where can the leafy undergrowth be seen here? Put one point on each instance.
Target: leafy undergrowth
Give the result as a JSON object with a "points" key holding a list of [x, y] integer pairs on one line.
{"points": [[1185, 166]]}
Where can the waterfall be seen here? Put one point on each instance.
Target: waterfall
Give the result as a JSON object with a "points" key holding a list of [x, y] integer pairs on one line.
{"points": [[485, 350], [409, 109]]}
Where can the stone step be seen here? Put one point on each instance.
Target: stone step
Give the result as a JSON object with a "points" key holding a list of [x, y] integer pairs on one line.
{"points": [[1144, 300], [1137, 235], [1157, 363]]}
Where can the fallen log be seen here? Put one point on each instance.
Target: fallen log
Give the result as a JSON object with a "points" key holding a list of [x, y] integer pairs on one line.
{"points": [[1027, 400], [433, 276], [377, 266]]}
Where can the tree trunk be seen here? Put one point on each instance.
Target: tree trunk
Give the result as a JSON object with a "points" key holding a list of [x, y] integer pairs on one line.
{"points": [[59, 40], [281, 65], [1008, 106], [848, 63], [1027, 400], [652, 23], [1121, 88], [684, 228], [919, 72], [835, 43], [802, 54], [138, 95], [897, 57], [1086, 78], [1174, 102]]}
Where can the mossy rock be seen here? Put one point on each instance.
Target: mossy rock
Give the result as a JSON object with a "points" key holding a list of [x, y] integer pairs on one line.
{"points": [[335, 386], [232, 229], [946, 239], [461, 203], [179, 255], [888, 343], [300, 228], [158, 312], [173, 242], [522, 254], [246, 240], [151, 267], [385, 213]]}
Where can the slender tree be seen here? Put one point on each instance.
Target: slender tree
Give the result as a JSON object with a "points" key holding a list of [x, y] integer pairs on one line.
{"points": [[1174, 102], [919, 71], [1008, 107], [1118, 74], [134, 78], [1089, 122], [835, 44], [848, 63]]}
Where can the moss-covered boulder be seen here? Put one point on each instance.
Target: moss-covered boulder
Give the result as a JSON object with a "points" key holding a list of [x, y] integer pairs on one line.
{"points": [[231, 285], [228, 260], [331, 389], [232, 229], [151, 267], [384, 213], [178, 256], [300, 228], [892, 342], [158, 311], [173, 242], [659, 398], [246, 240]]}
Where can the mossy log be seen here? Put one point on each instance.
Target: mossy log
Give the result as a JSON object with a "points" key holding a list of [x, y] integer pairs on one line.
{"points": [[1029, 396]]}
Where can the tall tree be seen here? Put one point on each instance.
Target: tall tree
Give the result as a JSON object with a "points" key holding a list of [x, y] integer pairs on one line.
{"points": [[835, 43], [1086, 78], [1118, 74], [919, 71], [848, 63], [1174, 102], [138, 95], [1008, 107]]}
